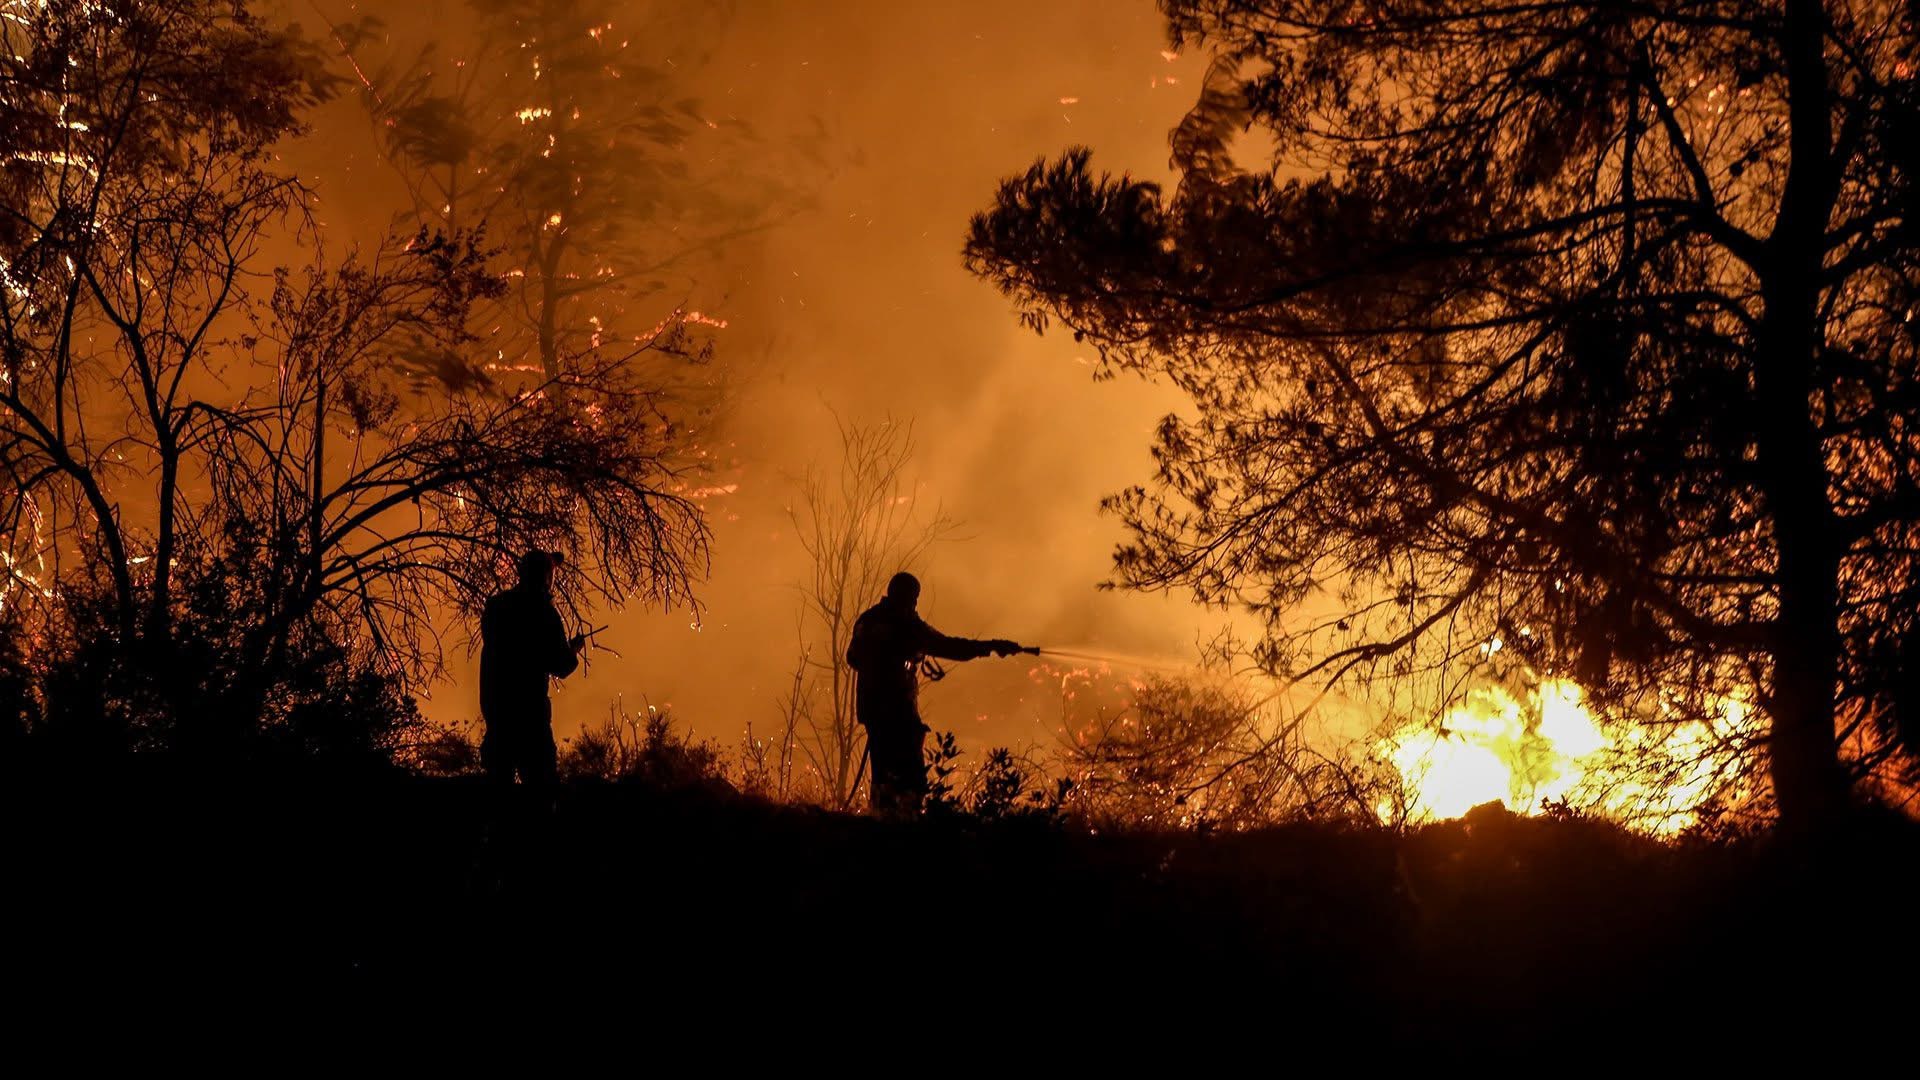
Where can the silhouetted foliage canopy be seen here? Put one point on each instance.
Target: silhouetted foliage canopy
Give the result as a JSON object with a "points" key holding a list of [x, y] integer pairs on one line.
{"points": [[1583, 326]]}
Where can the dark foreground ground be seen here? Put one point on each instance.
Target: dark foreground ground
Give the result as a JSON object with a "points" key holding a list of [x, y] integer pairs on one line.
{"points": [[151, 887]]}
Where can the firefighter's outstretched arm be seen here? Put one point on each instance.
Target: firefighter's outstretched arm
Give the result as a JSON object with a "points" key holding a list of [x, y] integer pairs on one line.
{"points": [[936, 644]]}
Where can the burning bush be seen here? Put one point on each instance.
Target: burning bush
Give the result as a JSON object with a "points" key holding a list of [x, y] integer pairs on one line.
{"points": [[1545, 746]]}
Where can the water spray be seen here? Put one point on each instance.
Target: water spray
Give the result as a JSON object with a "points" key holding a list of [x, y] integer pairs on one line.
{"points": [[1106, 658]]}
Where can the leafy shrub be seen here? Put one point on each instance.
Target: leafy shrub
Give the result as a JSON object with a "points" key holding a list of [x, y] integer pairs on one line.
{"points": [[1204, 753], [644, 750], [210, 684], [1005, 788], [440, 750]]}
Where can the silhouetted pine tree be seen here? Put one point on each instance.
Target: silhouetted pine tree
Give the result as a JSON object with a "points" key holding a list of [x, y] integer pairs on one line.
{"points": [[1583, 326]]}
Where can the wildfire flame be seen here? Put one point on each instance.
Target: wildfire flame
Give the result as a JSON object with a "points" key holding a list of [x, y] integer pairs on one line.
{"points": [[1547, 746]]}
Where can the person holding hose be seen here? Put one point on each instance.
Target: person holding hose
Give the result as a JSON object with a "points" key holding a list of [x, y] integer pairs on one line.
{"points": [[888, 649]]}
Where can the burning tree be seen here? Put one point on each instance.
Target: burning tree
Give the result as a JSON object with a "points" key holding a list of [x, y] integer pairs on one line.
{"points": [[1585, 328], [227, 509]]}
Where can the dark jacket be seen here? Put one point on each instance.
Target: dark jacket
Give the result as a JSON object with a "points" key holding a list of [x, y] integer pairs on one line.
{"points": [[522, 642], [887, 645]]}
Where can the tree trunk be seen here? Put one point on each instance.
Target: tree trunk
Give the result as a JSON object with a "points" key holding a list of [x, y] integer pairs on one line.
{"points": [[316, 496], [1807, 778], [1806, 773], [160, 611]]}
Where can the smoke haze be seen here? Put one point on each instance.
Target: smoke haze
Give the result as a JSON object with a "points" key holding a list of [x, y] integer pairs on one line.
{"points": [[857, 306]]}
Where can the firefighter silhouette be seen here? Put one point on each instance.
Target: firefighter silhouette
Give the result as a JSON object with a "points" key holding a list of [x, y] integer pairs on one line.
{"points": [[889, 647], [522, 644]]}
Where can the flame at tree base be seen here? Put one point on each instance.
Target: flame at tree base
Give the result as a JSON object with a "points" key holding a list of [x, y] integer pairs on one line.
{"points": [[1547, 747]]}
